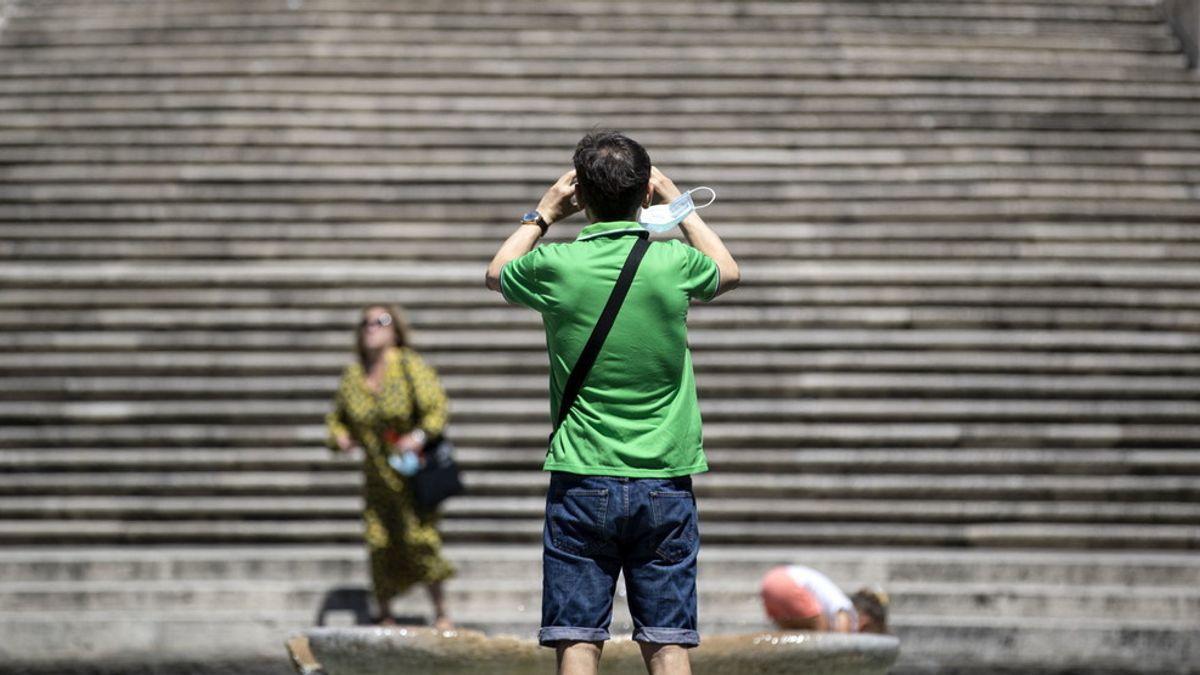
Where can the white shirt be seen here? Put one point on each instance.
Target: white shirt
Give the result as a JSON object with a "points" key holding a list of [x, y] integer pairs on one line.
{"points": [[832, 599]]}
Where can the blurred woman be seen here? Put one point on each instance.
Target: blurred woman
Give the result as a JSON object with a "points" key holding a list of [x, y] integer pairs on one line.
{"points": [[388, 403]]}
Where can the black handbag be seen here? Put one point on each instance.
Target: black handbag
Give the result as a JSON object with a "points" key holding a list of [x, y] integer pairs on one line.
{"points": [[439, 477]]}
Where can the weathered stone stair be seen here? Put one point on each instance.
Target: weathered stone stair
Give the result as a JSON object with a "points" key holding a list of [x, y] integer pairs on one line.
{"points": [[964, 362]]}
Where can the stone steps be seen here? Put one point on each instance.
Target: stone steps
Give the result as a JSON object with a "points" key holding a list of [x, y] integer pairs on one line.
{"points": [[432, 251], [992, 593], [1136, 10], [129, 274], [762, 147], [601, 18], [969, 319], [836, 24], [739, 230], [477, 414], [549, 108], [186, 510], [1183, 343], [508, 531], [1064, 192], [534, 67], [738, 600], [117, 147], [1174, 90], [79, 388], [1093, 462], [877, 434], [886, 302], [481, 364], [744, 178], [907, 210], [1139, 46], [1041, 646], [531, 482], [800, 54], [714, 318], [1150, 182], [847, 566]]}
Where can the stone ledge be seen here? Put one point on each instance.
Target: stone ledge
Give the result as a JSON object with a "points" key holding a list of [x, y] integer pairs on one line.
{"points": [[375, 651]]}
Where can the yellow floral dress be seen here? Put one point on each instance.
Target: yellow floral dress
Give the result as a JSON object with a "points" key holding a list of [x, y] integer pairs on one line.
{"points": [[404, 544]]}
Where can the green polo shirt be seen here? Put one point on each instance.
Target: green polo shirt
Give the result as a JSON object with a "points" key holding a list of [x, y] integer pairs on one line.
{"points": [[637, 414]]}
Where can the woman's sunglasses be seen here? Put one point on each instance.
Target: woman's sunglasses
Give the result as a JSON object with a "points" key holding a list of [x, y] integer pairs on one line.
{"points": [[383, 321]]}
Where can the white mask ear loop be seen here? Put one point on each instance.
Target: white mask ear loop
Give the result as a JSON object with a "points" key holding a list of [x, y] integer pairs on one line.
{"points": [[710, 201]]}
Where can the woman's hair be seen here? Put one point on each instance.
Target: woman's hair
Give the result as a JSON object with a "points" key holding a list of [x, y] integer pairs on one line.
{"points": [[399, 328], [873, 603], [612, 171]]}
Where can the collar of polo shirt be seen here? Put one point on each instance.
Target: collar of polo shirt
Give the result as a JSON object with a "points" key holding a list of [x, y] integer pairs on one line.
{"points": [[615, 227]]}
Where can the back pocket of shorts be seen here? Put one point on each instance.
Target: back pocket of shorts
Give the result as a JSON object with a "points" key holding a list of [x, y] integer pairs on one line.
{"points": [[576, 520], [675, 529]]}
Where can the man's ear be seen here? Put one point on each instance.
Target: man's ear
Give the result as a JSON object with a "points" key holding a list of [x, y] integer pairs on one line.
{"points": [[582, 203], [649, 199]]}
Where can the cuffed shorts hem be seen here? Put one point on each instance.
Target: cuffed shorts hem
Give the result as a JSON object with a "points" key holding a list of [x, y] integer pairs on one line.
{"points": [[547, 637], [667, 636]]}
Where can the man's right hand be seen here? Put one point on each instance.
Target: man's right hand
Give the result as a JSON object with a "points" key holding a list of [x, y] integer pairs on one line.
{"points": [[345, 443], [557, 204]]}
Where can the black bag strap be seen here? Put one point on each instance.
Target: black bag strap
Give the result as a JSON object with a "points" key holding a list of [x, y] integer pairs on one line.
{"points": [[591, 350]]}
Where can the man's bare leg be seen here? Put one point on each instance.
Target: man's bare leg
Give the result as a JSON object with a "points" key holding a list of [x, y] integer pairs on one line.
{"points": [[579, 658], [666, 659]]}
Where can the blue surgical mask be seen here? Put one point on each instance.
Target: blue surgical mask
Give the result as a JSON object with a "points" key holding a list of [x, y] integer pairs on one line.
{"points": [[406, 463], [663, 217]]}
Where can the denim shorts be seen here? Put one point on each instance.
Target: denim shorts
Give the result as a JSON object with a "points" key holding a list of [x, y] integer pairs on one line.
{"points": [[598, 526]]}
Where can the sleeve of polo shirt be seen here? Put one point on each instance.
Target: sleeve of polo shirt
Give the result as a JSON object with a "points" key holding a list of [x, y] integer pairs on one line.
{"points": [[701, 274], [519, 282]]}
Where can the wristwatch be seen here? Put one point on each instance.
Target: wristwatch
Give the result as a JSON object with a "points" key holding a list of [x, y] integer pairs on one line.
{"points": [[535, 218]]}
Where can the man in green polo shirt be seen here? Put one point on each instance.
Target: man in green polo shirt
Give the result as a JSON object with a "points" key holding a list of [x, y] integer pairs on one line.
{"points": [[620, 495]]}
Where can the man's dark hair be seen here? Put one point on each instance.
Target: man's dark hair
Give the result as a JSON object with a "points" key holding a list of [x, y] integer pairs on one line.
{"points": [[612, 171]]}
